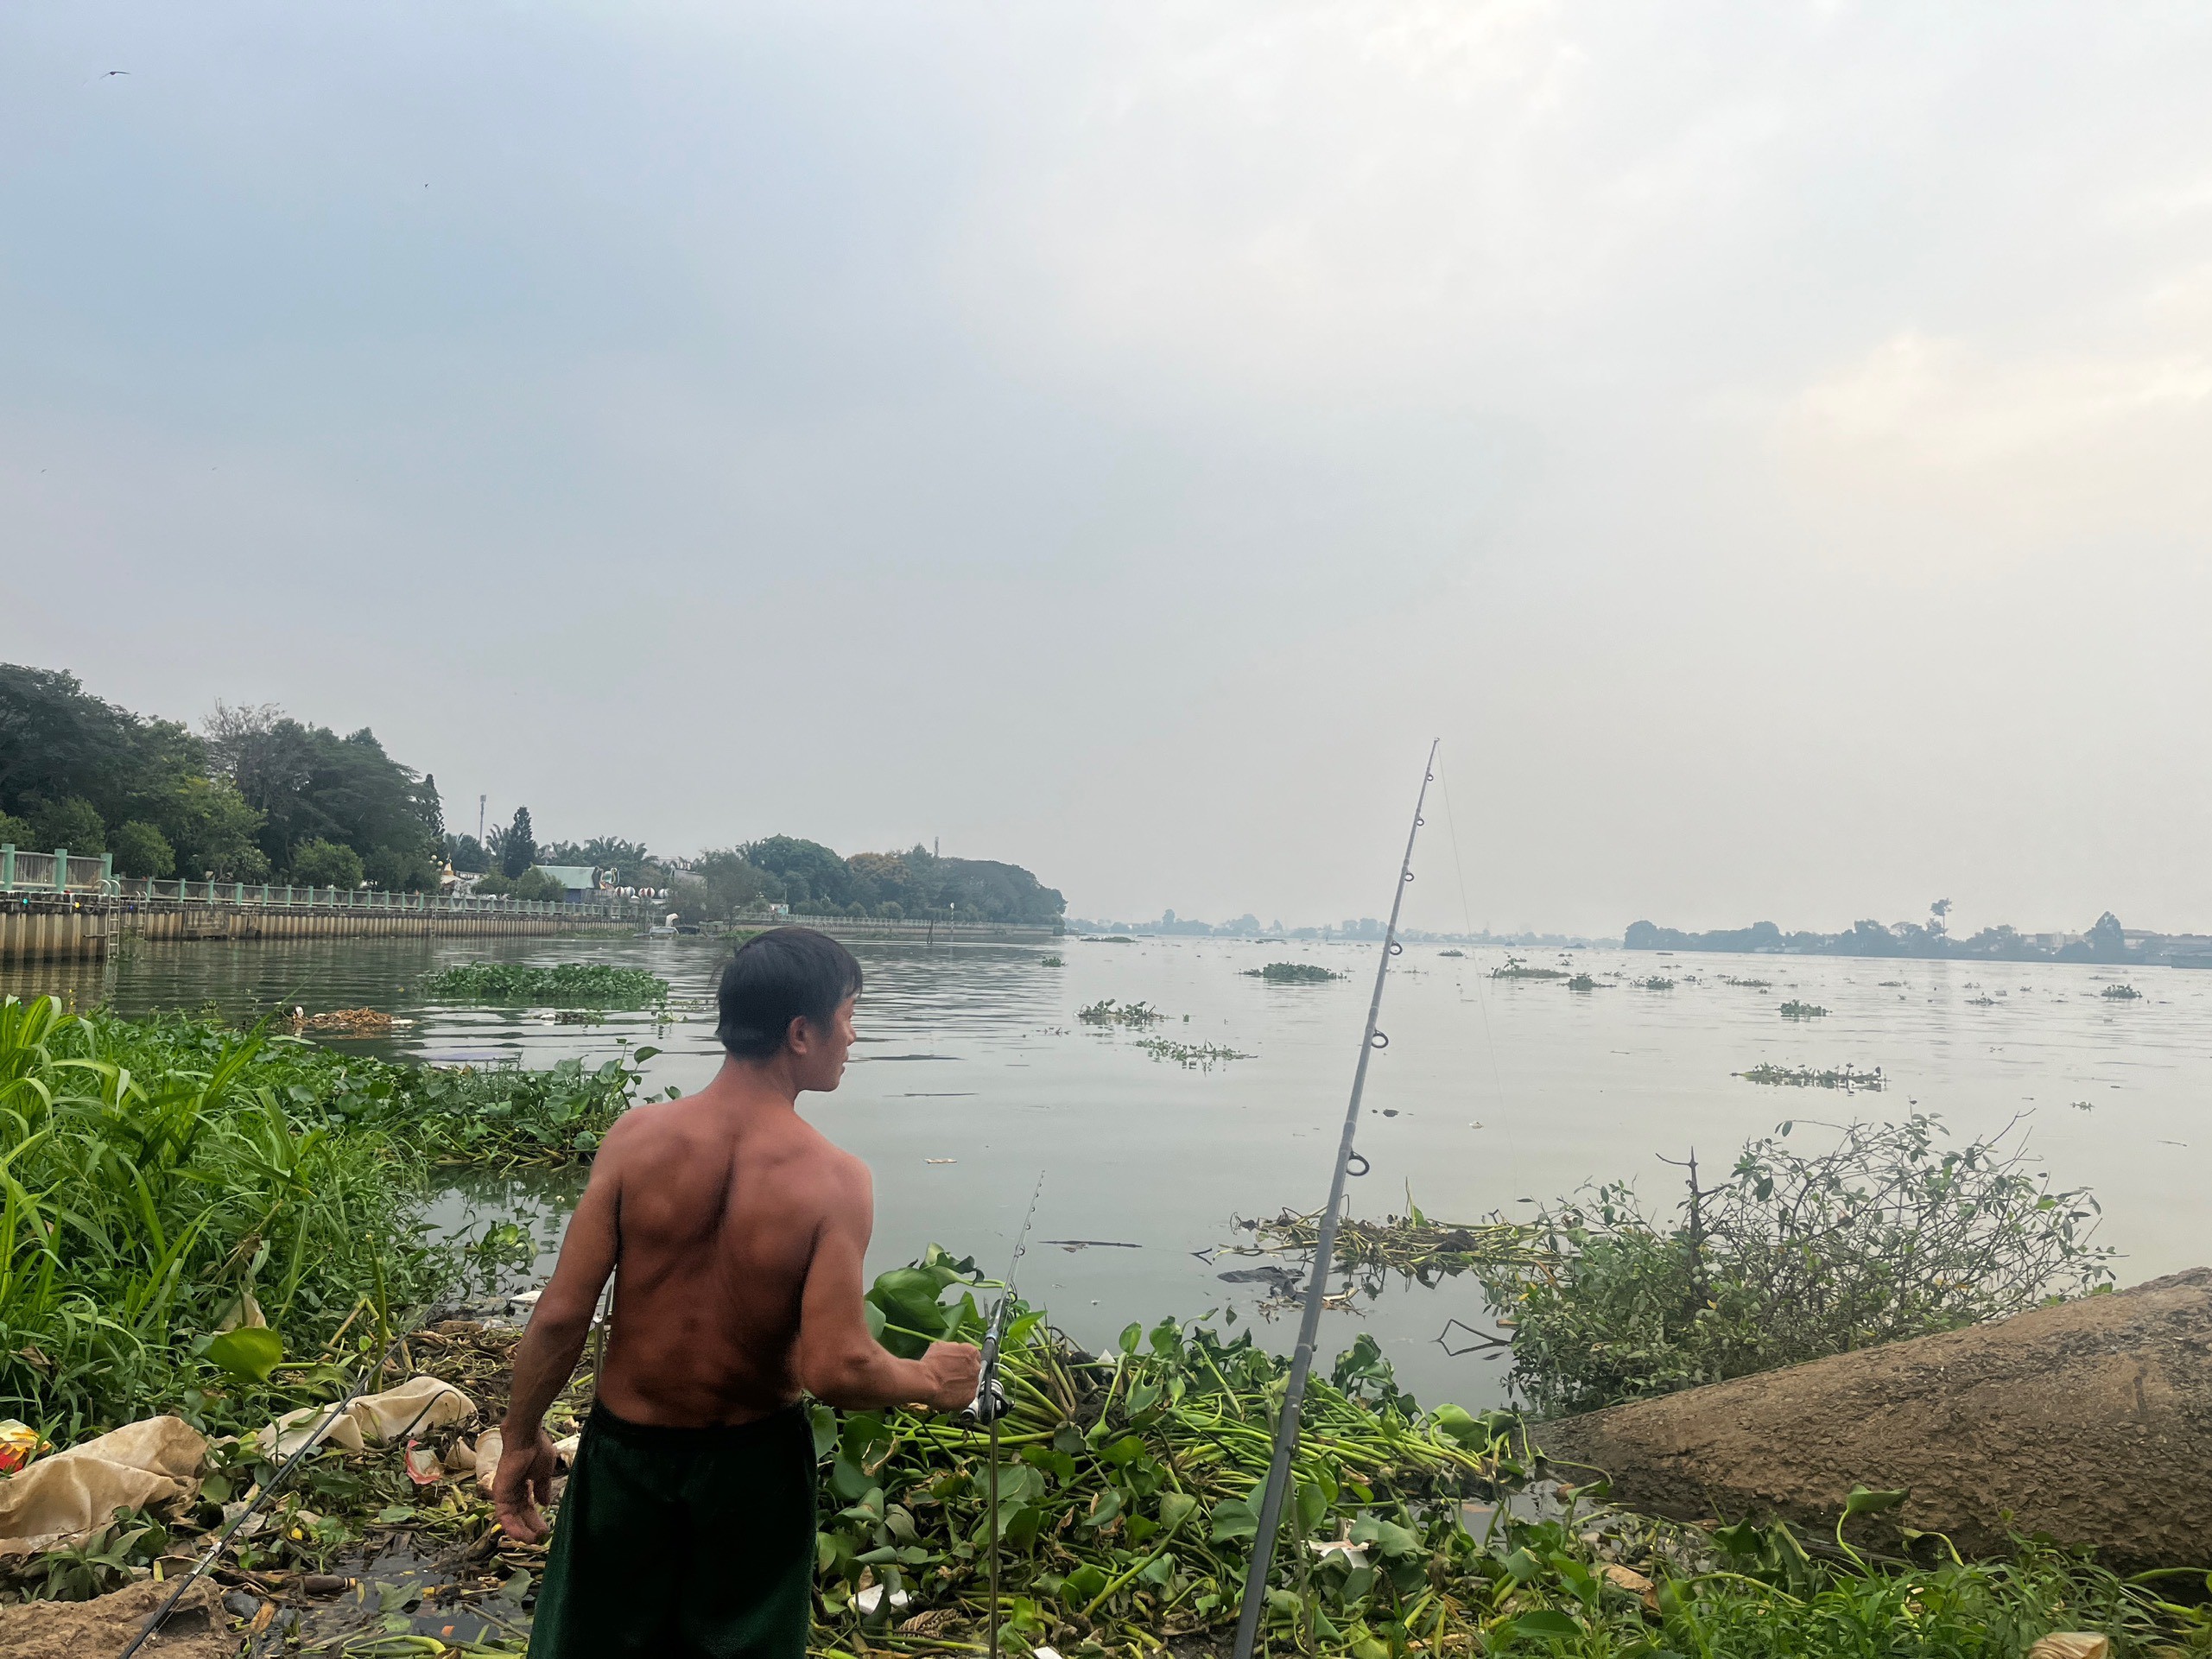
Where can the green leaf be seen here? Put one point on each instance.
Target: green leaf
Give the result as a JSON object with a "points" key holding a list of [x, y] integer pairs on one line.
{"points": [[1864, 1502], [645, 1054], [1082, 1584], [1233, 1519], [249, 1352], [1546, 1625]]}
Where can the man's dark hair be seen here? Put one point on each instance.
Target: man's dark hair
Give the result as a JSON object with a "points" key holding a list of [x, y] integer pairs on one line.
{"points": [[777, 977]]}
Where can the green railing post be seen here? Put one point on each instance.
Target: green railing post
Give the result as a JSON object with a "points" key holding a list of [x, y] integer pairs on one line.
{"points": [[61, 870], [107, 872], [7, 866]]}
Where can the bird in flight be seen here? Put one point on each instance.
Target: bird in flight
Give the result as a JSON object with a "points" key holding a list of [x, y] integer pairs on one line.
{"points": [[114, 71]]}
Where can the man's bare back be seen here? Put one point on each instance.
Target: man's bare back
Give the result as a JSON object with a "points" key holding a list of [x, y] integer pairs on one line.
{"points": [[740, 1235]]}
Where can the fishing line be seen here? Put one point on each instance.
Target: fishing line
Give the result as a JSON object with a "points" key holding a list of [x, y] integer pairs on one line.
{"points": [[208, 1557], [1467, 921], [990, 1403], [1302, 1357]]}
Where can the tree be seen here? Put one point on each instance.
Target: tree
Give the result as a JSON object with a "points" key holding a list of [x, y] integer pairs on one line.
{"points": [[73, 822], [2107, 939], [326, 863], [536, 884], [810, 871], [142, 850], [518, 846], [17, 832], [214, 830], [308, 783], [728, 884], [467, 855]]}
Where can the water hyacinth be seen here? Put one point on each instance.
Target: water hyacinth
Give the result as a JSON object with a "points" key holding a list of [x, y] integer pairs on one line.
{"points": [[567, 984]]}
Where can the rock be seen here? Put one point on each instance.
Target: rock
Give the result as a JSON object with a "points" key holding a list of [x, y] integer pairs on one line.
{"points": [[102, 1628], [2072, 1644], [2090, 1421]]}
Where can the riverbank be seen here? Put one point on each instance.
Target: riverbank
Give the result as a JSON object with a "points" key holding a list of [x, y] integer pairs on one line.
{"points": [[1127, 1485], [234, 1177]]}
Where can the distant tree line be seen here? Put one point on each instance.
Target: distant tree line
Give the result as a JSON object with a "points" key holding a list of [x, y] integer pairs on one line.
{"points": [[2106, 941], [257, 796], [812, 879]]}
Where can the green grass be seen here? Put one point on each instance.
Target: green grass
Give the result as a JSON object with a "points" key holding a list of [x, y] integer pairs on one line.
{"points": [[571, 984], [152, 1174]]}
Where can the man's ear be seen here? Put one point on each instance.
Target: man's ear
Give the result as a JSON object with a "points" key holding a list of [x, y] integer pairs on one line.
{"points": [[797, 1034]]}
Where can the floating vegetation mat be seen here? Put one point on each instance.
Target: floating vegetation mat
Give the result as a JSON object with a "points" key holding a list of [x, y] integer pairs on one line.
{"points": [[1794, 1009], [1051, 962], [1111, 1012], [1412, 1245], [1292, 973], [1583, 982], [1657, 982], [1765, 985], [1846, 1078], [1195, 1056], [1451, 953], [576, 984], [346, 1023], [1515, 969], [2120, 993]]}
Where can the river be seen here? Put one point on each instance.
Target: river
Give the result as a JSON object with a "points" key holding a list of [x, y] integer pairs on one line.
{"points": [[974, 1074]]}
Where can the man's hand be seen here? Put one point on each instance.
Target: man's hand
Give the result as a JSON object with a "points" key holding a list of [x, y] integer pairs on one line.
{"points": [[524, 1481], [953, 1370]]}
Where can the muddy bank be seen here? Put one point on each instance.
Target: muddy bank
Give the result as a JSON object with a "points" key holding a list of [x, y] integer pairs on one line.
{"points": [[2090, 1422], [102, 1628]]}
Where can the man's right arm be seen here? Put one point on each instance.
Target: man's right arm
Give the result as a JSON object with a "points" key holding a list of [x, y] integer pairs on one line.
{"points": [[840, 1361]]}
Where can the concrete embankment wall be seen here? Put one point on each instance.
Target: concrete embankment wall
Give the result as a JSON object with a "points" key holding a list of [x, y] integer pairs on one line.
{"points": [[88, 932], [54, 934]]}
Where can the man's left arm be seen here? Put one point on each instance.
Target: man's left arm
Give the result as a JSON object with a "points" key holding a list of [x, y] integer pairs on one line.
{"points": [[546, 1357]]}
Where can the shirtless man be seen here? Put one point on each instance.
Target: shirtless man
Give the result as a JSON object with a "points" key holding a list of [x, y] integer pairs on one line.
{"points": [[687, 1525]]}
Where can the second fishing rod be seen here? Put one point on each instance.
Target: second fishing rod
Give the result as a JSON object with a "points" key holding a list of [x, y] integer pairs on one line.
{"points": [[1302, 1357]]}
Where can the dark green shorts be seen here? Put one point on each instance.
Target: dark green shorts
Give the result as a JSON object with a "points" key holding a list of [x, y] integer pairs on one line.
{"points": [[683, 1544]]}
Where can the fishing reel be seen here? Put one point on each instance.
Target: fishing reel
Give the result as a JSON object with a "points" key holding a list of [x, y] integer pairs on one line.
{"points": [[990, 1403]]}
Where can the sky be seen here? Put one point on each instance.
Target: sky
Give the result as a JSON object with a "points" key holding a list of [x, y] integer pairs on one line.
{"points": [[1770, 446]]}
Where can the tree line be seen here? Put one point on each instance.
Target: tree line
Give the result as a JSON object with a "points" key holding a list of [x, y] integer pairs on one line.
{"points": [[254, 795], [257, 796]]}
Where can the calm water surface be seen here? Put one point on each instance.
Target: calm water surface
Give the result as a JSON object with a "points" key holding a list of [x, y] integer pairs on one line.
{"points": [[1490, 1092]]}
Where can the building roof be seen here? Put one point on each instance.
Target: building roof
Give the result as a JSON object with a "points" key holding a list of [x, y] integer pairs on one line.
{"points": [[575, 877]]}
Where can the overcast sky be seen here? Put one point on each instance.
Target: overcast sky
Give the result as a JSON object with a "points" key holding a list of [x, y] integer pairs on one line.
{"points": [[1770, 446]]}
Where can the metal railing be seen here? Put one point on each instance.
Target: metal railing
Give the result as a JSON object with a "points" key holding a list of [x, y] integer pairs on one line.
{"points": [[59, 872]]}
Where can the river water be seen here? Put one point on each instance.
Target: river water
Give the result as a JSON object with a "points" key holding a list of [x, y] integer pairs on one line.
{"points": [[974, 1074]]}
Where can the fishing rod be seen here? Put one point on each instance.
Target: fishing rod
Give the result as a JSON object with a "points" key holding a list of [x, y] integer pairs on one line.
{"points": [[1302, 1357], [990, 1403], [213, 1552]]}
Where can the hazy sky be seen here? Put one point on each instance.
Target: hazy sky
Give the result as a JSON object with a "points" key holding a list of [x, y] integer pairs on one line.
{"points": [[1772, 446]]}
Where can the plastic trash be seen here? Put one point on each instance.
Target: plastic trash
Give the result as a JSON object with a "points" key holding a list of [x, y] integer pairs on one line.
{"points": [[19, 1444], [74, 1491], [416, 1405]]}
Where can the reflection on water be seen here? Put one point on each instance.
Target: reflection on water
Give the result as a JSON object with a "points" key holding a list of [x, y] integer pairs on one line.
{"points": [[974, 1075]]}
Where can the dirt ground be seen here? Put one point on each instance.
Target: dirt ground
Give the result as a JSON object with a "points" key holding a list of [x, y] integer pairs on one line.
{"points": [[2090, 1422], [199, 1629]]}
